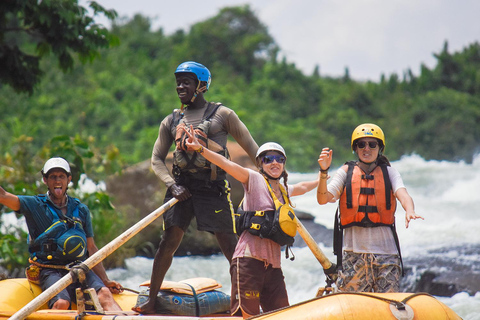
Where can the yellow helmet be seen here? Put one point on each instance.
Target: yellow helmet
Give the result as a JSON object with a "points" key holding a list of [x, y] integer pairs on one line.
{"points": [[368, 130]]}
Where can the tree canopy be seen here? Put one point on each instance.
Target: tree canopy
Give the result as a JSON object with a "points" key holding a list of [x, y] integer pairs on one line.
{"points": [[32, 29], [120, 98]]}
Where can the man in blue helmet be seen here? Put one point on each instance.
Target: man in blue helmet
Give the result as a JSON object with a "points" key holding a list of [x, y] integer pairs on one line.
{"points": [[53, 249], [201, 187]]}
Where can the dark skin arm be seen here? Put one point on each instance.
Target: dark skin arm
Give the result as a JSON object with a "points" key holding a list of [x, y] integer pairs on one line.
{"points": [[9, 200]]}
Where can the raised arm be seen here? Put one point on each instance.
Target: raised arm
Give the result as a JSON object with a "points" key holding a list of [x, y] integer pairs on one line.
{"points": [[236, 171], [9, 200], [324, 160]]}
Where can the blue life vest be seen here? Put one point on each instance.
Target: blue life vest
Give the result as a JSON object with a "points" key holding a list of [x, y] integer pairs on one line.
{"points": [[63, 242]]}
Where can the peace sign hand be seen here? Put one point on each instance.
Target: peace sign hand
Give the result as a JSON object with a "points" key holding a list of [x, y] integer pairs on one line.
{"points": [[192, 141]]}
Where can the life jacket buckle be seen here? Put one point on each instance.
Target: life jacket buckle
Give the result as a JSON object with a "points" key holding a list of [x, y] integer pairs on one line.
{"points": [[255, 226], [259, 213]]}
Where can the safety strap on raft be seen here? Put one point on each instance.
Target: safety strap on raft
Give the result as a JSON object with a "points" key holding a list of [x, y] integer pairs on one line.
{"points": [[197, 304]]}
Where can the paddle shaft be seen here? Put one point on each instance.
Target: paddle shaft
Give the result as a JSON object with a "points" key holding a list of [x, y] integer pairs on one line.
{"points": [[312, 244], [92, 261]]}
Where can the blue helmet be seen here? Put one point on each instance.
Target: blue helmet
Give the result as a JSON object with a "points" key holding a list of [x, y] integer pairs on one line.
{"points": [[198, 69]]}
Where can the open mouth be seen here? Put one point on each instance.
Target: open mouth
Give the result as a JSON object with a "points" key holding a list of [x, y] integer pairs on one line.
{"points": [[58, 190]]}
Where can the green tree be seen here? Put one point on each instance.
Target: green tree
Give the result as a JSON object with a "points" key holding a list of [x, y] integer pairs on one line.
{"points": [[31, 29], [235, 38]]}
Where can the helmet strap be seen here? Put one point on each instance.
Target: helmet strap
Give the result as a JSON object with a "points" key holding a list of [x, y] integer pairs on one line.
{"points": [[197, 91], [367, 163], [269, 176]]}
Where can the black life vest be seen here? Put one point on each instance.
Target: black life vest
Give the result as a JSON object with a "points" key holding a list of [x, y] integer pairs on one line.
{"points": [[278, 225], [192, 162], [63, 242]]}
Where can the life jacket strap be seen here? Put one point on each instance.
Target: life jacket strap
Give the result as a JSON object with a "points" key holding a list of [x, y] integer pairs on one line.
{"points": [[367, 209], [368, 191]]}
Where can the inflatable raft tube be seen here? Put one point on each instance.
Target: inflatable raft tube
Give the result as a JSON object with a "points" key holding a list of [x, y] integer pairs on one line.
{"points": [[366, 306], [16, 293]]}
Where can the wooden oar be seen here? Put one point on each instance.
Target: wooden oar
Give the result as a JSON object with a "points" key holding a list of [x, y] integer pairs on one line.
{"points": [[328, 267], [92, 261]]}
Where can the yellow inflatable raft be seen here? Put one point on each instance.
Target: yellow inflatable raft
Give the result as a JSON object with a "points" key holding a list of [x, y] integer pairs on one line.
{"points": [[16, 293]]}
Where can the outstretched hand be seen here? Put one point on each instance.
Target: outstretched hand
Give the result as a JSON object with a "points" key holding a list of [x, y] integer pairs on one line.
{"points": [[411, 216], [192, 141], [325, 158]]}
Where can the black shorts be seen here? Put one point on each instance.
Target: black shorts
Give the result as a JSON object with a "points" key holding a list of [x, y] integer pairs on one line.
{"points": [[255, 284], [210, 204], [49, 277]]}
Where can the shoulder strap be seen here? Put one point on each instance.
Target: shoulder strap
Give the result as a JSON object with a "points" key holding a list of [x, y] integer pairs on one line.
{"points": [[388, 186], [397, 243], [275, 200], [338, 240], [76, 213], [176, 117], [348, 182], [211, 109]]}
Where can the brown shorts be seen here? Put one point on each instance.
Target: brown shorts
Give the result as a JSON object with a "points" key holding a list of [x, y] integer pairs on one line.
{"points": [[368, 272], [255, 285]]}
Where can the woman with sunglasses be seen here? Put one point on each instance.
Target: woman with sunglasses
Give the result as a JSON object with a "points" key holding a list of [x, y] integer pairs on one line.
{"points": [[257, 278], [365, 239]]}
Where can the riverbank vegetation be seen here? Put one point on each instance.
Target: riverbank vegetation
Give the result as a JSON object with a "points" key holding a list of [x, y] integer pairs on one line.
{"points": [[104, 115]]}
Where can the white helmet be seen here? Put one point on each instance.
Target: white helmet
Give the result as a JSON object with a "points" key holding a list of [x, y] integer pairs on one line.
{"points": [[53, 163], [270, 146]]}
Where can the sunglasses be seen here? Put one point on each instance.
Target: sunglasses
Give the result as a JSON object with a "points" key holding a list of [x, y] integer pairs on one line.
{"points": [[363, 144], [277, 157]]}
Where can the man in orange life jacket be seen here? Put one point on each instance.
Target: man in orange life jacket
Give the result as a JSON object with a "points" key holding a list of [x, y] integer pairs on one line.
{"points": [[201, 187], [365, 241]]}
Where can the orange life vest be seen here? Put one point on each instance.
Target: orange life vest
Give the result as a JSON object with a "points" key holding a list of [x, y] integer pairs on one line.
{"points": [[367, 200]]}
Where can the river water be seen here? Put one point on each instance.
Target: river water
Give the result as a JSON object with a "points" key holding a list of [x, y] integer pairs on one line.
{"points": [[445, 194]]}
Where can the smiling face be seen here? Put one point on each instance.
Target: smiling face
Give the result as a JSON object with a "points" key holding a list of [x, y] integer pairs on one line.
{"points": [[367, 154], [273, 169], [57, 181], [186, 86]]}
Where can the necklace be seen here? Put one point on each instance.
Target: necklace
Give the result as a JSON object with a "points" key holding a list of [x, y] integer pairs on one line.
{"points": [[55, 205]]}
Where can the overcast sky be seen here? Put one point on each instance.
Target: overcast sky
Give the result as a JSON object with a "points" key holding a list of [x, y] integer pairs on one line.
{"points": [[370, 37]]}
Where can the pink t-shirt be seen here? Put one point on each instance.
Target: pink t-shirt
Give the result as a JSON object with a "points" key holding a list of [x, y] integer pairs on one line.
{"points": [[257, 197]]}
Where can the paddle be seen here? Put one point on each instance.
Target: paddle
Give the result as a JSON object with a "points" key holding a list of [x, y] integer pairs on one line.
{"points": [[328, 267], [92, 261]]}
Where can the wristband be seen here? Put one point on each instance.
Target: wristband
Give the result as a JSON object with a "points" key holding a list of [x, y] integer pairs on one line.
{"points": [[200, 150], [324, 171]]}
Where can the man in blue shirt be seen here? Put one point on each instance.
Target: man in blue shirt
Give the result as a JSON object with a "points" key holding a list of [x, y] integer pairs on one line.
{"points": [[70, 227]]}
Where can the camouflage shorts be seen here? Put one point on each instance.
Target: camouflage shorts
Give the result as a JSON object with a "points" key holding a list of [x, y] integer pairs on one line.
{"points": [[368, 272]]}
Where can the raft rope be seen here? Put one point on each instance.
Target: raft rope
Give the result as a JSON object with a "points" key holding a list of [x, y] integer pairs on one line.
{"points": [[400, 305]]}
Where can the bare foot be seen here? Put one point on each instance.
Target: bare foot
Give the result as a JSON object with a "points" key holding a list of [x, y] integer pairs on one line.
{"points": [[145, 308]]}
